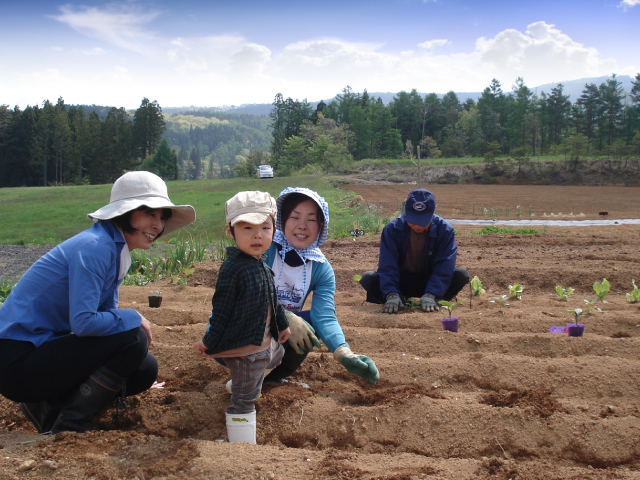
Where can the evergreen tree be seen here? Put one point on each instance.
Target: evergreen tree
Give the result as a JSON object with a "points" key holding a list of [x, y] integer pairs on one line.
{"points": [[587, 111], [163, 162], [519, 118], [196, 161], [611, 110], [148, 127], [278, 126], [556, 108]]}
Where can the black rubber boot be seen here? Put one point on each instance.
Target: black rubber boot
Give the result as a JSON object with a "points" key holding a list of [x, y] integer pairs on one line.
{"points": [[87, 400], [42, 414]]}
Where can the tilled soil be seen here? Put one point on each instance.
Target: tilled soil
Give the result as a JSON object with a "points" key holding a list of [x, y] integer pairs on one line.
{"points": [[503, 398]]}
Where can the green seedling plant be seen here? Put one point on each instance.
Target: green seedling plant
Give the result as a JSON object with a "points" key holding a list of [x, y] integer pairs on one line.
{"points": [[155, 293], [412, 304], [450, 305], [577, 313], [476, 287], [177, 279], [515, 291], [564, 293], [634, 296], [601, 289], [592, 304], [501, 301]]}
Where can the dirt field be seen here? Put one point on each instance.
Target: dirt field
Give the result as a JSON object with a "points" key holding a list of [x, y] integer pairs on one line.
{"points": [[503, 398]]}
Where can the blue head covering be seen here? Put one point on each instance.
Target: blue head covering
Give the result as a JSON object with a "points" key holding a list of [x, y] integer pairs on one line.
{"points": [[312, 252]]}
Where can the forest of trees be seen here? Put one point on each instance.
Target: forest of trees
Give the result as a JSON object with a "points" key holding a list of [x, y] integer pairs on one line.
{"points": [[215, 144], [66, 145], [603, 120], [60, 145]]}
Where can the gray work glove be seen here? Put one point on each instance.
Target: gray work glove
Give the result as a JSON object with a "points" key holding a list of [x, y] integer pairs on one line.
{"points": [[302, 337], [393, 303], [428, 303], [357, 364]]}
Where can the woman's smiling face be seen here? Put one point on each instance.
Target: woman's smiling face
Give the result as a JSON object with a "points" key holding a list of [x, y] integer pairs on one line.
{"points": [[302, 226], [147, 225]]}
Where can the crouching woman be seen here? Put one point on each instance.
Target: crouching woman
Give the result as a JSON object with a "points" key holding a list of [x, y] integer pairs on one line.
{"points": [[66, 349]]}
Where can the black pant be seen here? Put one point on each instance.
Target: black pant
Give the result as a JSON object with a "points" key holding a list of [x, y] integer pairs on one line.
{"points": [[57, 367], [411, 285]]}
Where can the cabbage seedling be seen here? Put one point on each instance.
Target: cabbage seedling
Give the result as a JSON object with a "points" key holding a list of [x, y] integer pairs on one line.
{"points": [[577, 313], [449, 305], [564, 294], [634, 296], [592, 304], [476, 287], [601, 289], [501, 301], [515, 291]]}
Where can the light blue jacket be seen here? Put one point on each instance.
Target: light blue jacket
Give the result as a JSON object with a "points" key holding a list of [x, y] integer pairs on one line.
{"points": [[323, 309], [71, 289]]}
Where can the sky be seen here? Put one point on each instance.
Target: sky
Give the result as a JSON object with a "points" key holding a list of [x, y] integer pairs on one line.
{"points": [[209, 53]]}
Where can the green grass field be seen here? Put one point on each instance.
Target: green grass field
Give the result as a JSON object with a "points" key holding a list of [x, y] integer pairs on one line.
{"points": [[51, 215]]}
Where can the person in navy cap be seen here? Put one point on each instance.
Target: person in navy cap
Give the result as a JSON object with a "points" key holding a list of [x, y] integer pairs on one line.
{"points": [[417, 259]]}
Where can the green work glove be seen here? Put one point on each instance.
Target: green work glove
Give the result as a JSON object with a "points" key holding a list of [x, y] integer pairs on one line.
{"points": [[393, 303], [357, 364], [428, 303], [302, 337]]}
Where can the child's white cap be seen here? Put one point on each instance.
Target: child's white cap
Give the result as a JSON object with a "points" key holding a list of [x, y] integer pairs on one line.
{"points": [[250, 207]]}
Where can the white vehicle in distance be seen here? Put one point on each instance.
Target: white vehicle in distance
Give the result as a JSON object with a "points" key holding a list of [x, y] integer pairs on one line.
{"points": [[265, 171]]}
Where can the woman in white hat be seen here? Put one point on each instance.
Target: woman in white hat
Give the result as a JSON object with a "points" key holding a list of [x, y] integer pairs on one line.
{"points": [[66, 349]]}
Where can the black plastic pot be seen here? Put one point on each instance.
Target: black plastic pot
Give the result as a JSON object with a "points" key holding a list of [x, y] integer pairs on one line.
{"points": [[155, 301]]}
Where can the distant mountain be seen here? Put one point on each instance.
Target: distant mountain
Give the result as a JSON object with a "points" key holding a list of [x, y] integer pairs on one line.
{"points": [[573, 88]]}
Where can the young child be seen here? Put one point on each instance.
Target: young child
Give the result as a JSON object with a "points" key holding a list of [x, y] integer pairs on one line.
{"points": [[247, 324]]}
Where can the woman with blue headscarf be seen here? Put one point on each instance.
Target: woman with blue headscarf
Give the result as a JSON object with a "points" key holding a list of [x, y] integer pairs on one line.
{"points": [[300, 268]]}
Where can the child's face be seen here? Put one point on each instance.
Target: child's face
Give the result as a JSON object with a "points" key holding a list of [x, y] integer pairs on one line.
{"points": [[252, 239]]}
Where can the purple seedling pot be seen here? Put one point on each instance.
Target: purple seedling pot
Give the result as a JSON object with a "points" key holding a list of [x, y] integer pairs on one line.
{"points": [[559, 329], [575, 329], [450, 324]]}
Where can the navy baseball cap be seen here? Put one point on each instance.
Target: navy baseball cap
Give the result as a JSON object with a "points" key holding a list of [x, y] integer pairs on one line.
{"points": [[419, 207]]}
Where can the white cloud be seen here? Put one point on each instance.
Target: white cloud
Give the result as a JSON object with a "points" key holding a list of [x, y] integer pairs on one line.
{"points": [[431, 44], [229, 68], [251, 60], [119, 25], [627, 4], [94, 51], [541, 54]]}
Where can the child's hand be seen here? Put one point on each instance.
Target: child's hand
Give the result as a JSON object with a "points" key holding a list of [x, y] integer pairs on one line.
{"points": [[200, 348], [284, 335]]}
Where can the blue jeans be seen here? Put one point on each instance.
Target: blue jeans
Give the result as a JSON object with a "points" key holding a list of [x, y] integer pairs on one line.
{"points": [[247, 374]]}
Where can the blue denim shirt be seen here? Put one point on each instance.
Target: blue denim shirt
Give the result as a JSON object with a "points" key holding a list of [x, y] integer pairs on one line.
{"points": [[71, 289], [439, 261]]}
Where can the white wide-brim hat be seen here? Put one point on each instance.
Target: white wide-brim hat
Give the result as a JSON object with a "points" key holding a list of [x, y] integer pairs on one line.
{"points": [[136, 189]]}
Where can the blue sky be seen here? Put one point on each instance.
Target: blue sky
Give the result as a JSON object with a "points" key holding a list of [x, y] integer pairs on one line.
{"points": [[213, 53]]}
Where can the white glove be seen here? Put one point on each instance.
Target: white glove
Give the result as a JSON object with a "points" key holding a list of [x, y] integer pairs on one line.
{"points": [[302, 337]]}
